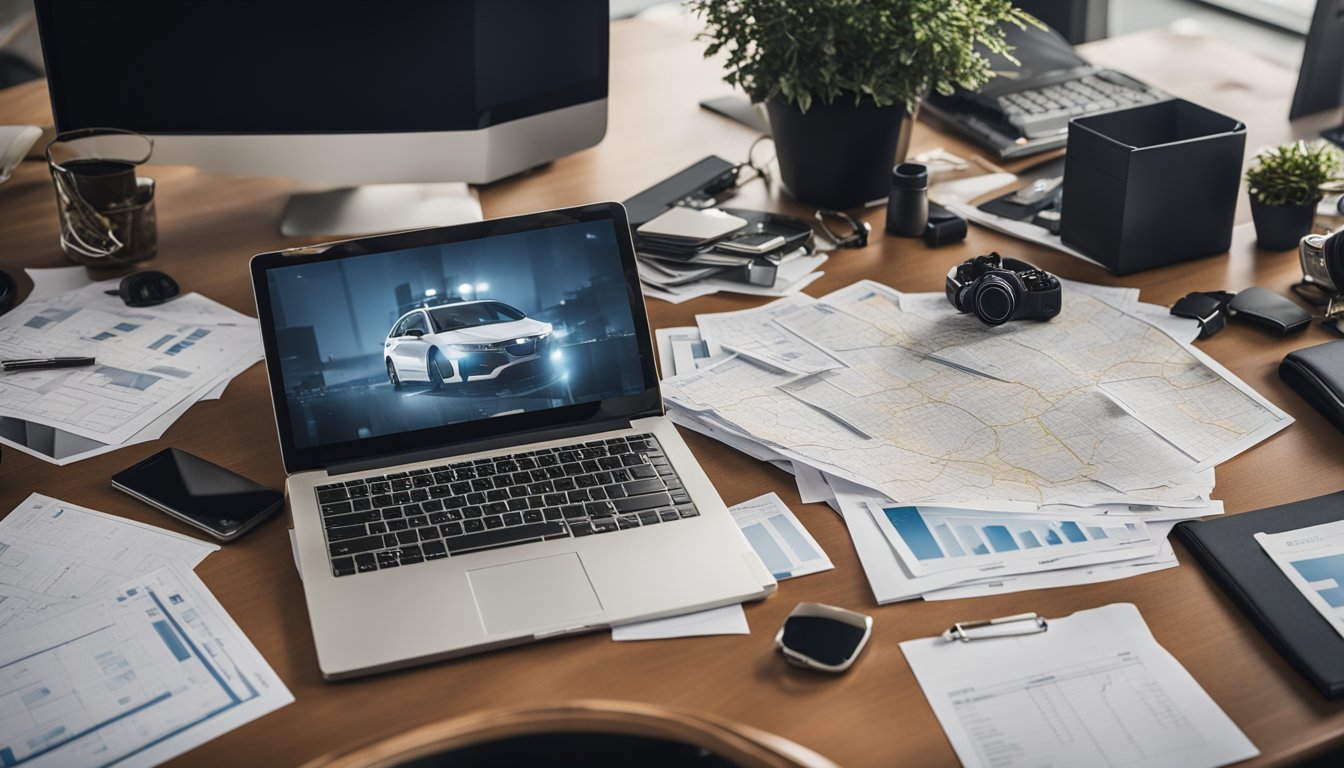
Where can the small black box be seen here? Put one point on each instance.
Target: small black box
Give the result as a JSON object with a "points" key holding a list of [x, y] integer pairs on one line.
{"points": [[1151, 185]]}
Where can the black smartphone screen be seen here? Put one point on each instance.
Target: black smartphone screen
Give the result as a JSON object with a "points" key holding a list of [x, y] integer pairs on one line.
{"points": [[826, 640], [222, 502]]}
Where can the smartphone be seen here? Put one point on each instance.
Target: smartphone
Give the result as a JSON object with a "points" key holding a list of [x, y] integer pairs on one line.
{"points": [[220, 502], [755, 243]]}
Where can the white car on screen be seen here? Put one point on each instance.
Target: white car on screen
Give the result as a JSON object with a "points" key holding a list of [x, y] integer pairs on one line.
{"points": [[467, 341]]}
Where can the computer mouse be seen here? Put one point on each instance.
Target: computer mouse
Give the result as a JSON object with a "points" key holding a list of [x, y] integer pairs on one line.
{"points": [[146, 289]]}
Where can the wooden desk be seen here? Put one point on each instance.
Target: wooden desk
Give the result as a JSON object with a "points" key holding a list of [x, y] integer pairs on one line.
{"points": [[875, 715]]}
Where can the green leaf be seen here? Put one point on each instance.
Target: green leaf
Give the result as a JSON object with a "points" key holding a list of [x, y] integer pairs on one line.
{"points": [[887, 50]]}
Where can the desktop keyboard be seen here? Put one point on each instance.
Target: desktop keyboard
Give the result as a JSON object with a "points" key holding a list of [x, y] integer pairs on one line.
{"points": [[403, 518], [1047, 109]]}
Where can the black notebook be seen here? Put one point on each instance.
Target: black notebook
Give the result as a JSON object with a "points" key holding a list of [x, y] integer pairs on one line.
{"points": [[1229, 552]]}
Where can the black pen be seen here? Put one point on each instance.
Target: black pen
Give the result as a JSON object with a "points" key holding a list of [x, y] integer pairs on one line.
{"points": [[40, 363]]}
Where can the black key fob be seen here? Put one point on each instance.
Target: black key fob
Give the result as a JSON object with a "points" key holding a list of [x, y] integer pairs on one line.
{"points": [[944, 227], [1269, 309], [1207, 309]]}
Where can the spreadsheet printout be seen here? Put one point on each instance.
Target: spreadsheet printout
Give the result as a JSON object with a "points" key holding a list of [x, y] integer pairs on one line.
{"points": [[1094, 689]]}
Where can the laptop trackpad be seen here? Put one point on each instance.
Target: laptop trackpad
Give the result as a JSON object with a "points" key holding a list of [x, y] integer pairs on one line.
{"points": [[533, 594]]}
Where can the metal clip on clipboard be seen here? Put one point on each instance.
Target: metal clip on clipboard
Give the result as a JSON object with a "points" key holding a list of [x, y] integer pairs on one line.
{"points": [[1026, 624]]}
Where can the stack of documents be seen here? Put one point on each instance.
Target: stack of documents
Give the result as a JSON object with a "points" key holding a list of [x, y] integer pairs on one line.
{"points": [[969, 459], [671, 282], [112, 651], [153, 363]]}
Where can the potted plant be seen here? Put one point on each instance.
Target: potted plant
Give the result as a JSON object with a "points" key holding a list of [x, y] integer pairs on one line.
{"points": [[841, 79], [1285, 185]]}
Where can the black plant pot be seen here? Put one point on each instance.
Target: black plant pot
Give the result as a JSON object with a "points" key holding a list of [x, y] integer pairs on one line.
{"points": [[839, 155], [1281, 227]]}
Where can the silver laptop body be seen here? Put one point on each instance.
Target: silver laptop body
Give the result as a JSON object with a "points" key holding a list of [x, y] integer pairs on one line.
{"points": [[474, 369]]}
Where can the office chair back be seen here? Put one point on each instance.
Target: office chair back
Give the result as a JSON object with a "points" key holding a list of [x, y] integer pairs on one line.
{"points": [[591, 733]]}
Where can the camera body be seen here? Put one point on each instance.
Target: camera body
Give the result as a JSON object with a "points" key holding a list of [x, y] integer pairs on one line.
{"points": [[1322, 260], [999, 289]]}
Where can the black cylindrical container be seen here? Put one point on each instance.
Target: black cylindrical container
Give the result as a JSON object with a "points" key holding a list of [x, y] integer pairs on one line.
{"points": [[908, 204]]}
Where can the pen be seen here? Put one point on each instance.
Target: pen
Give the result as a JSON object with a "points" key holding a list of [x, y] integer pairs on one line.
{"points": [[41, 363]]}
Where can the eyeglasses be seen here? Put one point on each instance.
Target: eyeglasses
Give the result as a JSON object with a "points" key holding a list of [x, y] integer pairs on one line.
{"points": [[843, 230], [757, 164], [146, 289]]}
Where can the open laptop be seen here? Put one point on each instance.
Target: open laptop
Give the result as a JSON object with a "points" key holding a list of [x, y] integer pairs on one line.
{"points": [[476, 448]]}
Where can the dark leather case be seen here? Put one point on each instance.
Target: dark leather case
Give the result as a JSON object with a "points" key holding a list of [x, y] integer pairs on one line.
{"points": [[1271, 310], [1317, 373], [1227, 549]]}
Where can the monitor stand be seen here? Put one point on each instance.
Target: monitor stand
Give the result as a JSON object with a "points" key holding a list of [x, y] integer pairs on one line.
{"points": [[375, 208]]}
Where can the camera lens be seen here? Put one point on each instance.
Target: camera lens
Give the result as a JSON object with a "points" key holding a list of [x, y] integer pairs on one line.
{"points": [[995, 301]]}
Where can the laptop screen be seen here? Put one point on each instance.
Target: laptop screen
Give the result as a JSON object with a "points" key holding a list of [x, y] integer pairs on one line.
{"points": [[378, 344]]}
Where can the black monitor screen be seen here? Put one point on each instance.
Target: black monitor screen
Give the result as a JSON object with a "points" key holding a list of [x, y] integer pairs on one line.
{"points": [[407, 340], [338, 66]]}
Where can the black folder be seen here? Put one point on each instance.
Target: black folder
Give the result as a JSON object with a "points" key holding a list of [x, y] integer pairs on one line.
{"points": [[1227, 549]]}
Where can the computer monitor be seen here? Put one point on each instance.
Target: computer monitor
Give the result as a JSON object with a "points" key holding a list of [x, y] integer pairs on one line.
{"points": [[339, 92], [1320, 82]]}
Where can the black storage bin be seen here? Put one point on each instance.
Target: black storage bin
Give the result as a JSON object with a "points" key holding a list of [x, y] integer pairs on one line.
{"points": [[1152, 185]]}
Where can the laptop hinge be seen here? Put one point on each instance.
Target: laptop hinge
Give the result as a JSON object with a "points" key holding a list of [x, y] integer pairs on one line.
{"points": [[489, 444]]}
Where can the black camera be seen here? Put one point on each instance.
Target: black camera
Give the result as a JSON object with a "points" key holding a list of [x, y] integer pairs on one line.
{"points": [[998, 290]]}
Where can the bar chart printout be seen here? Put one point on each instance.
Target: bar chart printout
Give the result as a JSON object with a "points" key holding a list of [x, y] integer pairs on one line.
{"points": [[131, 677], [1313, 560], [930, 539], [1096, 689]]}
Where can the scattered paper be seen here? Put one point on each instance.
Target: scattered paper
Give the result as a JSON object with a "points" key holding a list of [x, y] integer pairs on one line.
{"points": [[1096, 689], [133, 677], [728, 620], [676, 285], [152, 364], [931, 540], [892, 579], [932, 407], [52, 553], [682, 350], [756, 334], [784, 545], [1313, 560]]}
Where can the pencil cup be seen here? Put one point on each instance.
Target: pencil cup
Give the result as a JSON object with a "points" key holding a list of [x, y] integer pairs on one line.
{"points": [[106, 210]]}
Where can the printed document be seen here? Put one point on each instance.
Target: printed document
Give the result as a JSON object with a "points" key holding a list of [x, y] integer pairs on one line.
{"points": [[1313, 559], [782, 542], [1095, 689], [149, 360], [52, 553], [131, 677]]}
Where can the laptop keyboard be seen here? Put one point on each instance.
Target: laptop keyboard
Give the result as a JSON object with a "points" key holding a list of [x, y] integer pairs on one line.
{"points": [[1038, 112], [404, 518]]}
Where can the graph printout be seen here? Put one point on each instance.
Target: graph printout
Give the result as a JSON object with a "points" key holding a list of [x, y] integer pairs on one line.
{"points": [[934, 540], [1096, 689], [131, 677], [1313, 559]]}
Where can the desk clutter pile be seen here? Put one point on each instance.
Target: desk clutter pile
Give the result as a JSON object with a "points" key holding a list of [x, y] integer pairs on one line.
{"points": [[968, 460], [152, 364]]}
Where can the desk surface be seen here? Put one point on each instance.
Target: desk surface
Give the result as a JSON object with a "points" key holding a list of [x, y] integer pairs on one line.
{"points": [[210, 225]]}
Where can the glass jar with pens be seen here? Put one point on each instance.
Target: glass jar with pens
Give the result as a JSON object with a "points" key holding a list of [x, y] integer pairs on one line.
{"points": [[106, 210]]}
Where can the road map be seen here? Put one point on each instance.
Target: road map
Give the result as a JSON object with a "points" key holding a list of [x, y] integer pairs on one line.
{"points": [[1099, 405]]}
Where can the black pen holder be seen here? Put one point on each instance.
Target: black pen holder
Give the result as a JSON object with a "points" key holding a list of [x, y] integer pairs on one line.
{"points": [[1152, 185]]}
